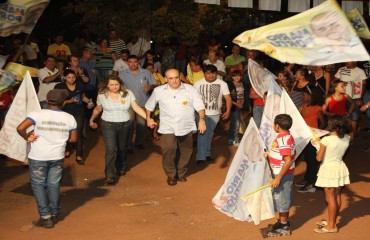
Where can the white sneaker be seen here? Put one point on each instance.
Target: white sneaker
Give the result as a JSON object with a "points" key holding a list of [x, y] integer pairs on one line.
{"points": [[236, 144]]}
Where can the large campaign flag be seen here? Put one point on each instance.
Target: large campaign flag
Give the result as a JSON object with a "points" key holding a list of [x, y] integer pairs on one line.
{"points": [[319, 36], [358, 23], [260, 77], [272, 108], [249, 171], [277, 102], [18, 16], [25, 101], [300, 131]]}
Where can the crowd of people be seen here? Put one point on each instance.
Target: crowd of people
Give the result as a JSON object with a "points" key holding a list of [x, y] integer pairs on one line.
{"points": [[176, 93]]}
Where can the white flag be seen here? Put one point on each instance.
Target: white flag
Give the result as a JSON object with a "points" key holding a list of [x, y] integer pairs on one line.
{"points": [[248, 171], [272, 108], [299, 130], [11, 143], [260, 77]]}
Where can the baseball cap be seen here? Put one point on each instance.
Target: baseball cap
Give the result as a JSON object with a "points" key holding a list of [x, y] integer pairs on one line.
{"points": [[57, 96]]}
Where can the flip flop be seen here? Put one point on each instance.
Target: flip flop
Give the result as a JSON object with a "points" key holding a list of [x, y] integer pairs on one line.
{"points": [[325, 230], [322, 223]]}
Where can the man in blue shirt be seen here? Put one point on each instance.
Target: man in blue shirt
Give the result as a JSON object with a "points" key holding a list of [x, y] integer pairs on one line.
{"points": [[141, 83]]}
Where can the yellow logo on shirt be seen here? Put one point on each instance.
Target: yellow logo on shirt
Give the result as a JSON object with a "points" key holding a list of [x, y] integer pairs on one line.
{"points": [[185, 103], [123, 101]]}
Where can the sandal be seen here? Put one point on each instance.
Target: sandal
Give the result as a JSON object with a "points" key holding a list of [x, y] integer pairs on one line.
{"points": [[67, 154], [322, 223], [325, 230]]}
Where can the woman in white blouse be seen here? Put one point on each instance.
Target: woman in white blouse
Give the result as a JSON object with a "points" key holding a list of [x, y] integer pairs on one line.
{"points": [[114, 100]]}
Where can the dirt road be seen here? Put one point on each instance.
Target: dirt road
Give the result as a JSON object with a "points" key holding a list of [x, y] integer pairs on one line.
{"points": [[142, 206]]}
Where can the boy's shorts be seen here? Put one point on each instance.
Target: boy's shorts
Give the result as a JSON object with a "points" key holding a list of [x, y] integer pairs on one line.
{"points": [[283, 195]]}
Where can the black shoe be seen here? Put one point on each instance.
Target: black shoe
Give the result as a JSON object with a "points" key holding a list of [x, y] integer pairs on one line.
{"points": [[182, 179], [171, 181], [55, 218], [45, 223], [209, 159], [110, 181], [274, 226], [281, 230], [201, 162], [122, 172], [140, 146]]}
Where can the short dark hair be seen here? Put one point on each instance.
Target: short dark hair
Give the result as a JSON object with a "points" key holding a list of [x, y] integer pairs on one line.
{"points": [[339, 125], [50, 56], [284, 121], [125, 51], [133, 56], [209, 67]]}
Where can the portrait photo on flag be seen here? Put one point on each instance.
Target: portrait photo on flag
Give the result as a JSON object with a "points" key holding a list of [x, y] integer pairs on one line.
{"points": [[249, 171], [319, 36]]}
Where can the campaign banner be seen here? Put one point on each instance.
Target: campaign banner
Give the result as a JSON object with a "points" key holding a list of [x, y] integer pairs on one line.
{"points": [[271, 109], [3, 60], [260, 77], [300, 131], [24, 102], [277, 102], [319, 36], [358, 23], [18, 16], [249, 171], [7, 80], [318, 133], [20, 70]]}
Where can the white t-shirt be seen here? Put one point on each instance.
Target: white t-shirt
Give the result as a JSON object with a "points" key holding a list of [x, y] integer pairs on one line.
{"points": [[212, 94], [44, 88], [354, 78], [119, 65], [52, 128]]}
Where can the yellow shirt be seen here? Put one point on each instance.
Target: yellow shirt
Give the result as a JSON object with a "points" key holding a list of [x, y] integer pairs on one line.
{"points": [[59, 51], [159, 78]]}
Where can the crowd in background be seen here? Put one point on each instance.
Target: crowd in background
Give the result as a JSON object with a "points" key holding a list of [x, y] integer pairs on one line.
{"points": [[83, 65]]}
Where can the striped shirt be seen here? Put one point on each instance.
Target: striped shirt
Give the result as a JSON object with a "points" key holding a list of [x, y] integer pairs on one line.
{"points": [[283, 145], [117, 46]]}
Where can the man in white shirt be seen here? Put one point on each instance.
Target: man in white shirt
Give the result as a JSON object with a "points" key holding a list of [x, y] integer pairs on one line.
{"points": [[138, 46], [48, 76], [52, 129], [211, 90], [121, 64], [220, 65], [355, 78], [177, 102]]}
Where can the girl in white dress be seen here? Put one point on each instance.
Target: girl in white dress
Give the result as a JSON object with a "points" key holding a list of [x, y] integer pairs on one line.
{"points": [[333, 173]]}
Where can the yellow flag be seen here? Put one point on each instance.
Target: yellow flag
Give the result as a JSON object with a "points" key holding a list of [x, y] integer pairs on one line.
{"points": [[18, 16], [20, 71], [319, 36], [358, 23]]}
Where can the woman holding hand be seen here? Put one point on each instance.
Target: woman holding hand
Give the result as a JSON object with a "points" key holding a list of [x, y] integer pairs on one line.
{"points": [[114, 100]]}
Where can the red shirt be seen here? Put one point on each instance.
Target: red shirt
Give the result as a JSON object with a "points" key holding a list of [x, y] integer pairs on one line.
{"points": [[283, 145], [5, 100], [338, 107]]}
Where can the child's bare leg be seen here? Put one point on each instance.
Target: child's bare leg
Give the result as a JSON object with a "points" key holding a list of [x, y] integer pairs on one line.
{"points": [[284, 217], [338, 198], [332, 207]]}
